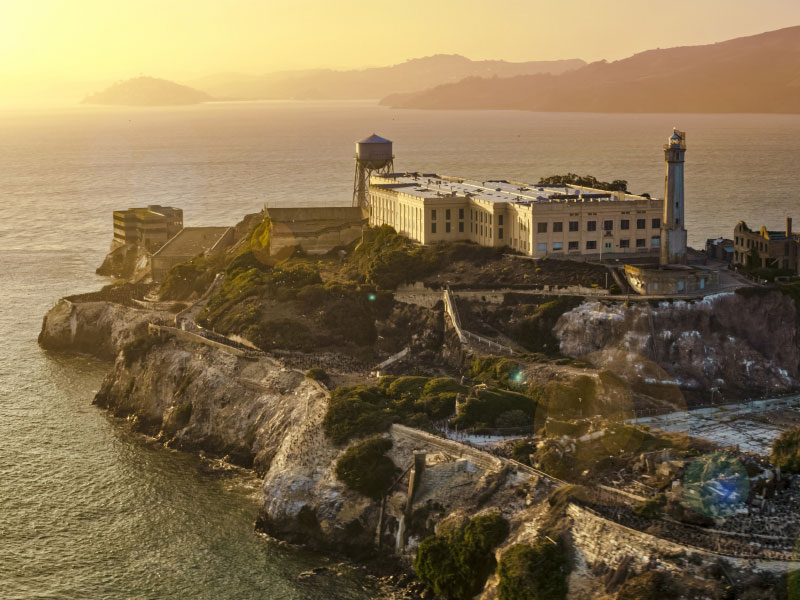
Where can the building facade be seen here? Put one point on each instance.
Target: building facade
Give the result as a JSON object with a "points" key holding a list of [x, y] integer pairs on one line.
{"points": [[149, 227], [533, 219], [769, 249]]}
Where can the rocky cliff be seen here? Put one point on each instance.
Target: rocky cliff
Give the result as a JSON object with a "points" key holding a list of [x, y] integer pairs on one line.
{"points": [[100, 329], [253, 413], [738, 343]]}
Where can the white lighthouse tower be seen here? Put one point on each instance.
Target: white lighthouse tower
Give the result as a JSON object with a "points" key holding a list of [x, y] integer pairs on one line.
{"points": [[673, 230]]}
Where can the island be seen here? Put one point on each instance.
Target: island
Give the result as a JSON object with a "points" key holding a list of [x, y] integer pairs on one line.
{"points": [[147, 91], [484, 422]]}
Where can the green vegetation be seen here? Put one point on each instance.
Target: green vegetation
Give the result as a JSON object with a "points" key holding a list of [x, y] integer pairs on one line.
{"points": [[457, 562], [534, 572], [534, 330], [318, 374], [586, 181], [363, 410], [189, 278], [386, 259], [652, 508], [486, 408], [521, 452], [365, 468], [650, 585]]}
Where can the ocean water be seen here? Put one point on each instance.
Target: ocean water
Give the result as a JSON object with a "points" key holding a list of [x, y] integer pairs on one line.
{"points": [[91, 510]]}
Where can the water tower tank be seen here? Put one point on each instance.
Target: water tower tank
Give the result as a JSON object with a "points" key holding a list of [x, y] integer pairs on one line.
{"points": [[374, 152]]}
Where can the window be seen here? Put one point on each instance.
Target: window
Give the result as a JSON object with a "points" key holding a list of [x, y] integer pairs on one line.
{"points": [[447, 227], [641, 223], [625, 224], [574, 226], [500, 220], [641, 243], [655, 242], [490, 219], [500, 233], [573, 246], [541, 227], [558, 246], [656, 223], [591, 245], [558, 227], [461, 227], [541, 247], [460, 213], [447, 214], [433, 214], [433, 227], [624, 243], [608, 225], [591, 225]]}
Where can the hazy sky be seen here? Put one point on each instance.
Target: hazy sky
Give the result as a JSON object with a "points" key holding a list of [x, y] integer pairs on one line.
{"points": [[55, 42]]}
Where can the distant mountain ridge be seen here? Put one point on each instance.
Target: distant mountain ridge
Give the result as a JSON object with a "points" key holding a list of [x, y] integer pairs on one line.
{"points": [[413, 75], [147, 91], [759, 73]]}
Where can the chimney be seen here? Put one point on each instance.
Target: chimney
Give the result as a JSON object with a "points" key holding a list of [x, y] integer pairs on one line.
{"points": [[788, 228]]}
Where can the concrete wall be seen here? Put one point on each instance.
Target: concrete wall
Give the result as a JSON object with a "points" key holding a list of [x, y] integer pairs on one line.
{"points": [[315, 237], [417, 293]]}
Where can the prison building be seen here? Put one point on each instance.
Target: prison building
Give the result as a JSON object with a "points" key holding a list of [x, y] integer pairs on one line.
{"points": [[536, 220], [773, 249], [149, 227]]}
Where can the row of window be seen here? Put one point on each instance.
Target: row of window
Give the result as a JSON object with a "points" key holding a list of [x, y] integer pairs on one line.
{"points": [[592, 245], [608, 225], [447, 227]]}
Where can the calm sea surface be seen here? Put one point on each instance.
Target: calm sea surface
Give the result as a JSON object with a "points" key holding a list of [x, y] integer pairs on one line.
{"points": [[89, 510]]}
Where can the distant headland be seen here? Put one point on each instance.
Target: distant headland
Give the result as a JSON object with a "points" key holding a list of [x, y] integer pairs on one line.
{"points": [[147, 91]]}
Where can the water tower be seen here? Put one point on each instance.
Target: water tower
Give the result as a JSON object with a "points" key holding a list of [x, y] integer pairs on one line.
{"points": [[373, 155]]}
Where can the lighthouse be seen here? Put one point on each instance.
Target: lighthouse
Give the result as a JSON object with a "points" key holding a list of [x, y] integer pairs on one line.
{"points": [[673, 230]]}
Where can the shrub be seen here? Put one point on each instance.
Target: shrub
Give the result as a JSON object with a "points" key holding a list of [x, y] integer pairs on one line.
{"points": [[534, 572], [652, 508], [786, 451], [355, 410], [484, 407], [190, 277], [650, 585], [365, 468], [387, 259], [535, 331], [318, 374], [457, 563], [521, 452]]}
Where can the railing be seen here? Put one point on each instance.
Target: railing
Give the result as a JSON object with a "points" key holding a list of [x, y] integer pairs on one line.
{"points": [[463, 335]]}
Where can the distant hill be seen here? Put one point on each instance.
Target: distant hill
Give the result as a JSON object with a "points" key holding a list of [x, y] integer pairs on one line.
{"points": [[147, 91], [412, 75], [760, 73]]}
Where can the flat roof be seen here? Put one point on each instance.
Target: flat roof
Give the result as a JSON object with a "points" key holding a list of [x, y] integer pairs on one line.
{"points": [[430, 185], [191, 241]]}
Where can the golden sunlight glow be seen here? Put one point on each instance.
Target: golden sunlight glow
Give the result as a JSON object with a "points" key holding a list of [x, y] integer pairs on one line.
{"points": [[49, 43]]}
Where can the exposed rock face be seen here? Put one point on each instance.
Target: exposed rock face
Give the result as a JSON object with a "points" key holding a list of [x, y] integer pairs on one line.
{"points": [[255, 414], [728, 341], [97, 328], [126, 261]]}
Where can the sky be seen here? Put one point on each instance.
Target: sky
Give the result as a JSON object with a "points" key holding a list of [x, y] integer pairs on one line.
{"points": [[60, 46]]}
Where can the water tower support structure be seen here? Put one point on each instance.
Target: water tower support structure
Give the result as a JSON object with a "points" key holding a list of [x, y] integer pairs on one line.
{"points": [[373, 155]]}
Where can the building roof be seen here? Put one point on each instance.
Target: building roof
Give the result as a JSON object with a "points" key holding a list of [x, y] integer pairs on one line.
{"points": [[431, 185], [191, 241], [375, 139]]}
